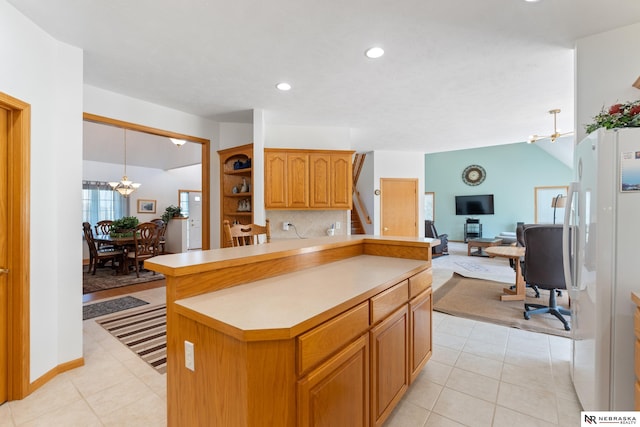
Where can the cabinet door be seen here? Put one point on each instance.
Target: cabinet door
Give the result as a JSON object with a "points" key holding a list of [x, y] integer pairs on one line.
{"points": [[297, 180], [320, 181], [275, 189], [389, 364], [420, 338], [337, 392], [341, 181]]}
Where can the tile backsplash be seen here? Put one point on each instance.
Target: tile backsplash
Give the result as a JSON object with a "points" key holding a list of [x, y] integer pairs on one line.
{"points": [[307, 223]]}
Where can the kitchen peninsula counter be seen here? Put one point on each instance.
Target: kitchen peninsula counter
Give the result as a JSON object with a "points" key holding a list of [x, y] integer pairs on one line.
{"points": [[277, 327]]}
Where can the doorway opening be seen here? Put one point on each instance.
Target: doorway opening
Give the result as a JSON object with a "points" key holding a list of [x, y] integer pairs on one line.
{"points": [[205, 149]]}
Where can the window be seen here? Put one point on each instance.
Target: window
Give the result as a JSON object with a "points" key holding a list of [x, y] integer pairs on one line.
{"points": [[100, 202], [429, 205], [184, 202]]}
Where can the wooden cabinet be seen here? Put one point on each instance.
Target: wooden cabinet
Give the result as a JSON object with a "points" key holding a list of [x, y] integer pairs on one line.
{"points": [[308, 179], [236, 186], [344, 360], [330, 180], [275, 172], [297, 180], [320, 180], [389, 364], [420, 311], [337, 392]]}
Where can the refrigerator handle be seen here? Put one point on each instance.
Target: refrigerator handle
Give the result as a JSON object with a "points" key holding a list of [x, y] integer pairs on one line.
{"points": [[567, 256]]}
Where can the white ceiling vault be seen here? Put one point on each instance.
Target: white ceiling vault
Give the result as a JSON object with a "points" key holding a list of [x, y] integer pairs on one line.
{"points": [[456, 73], [106, 144]]}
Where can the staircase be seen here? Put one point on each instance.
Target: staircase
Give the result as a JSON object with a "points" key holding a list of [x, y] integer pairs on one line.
{"points": [[356, 223], [357, 226]]}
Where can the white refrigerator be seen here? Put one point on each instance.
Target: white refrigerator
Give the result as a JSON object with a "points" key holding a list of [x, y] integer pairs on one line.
{"points": [[602, 266]]}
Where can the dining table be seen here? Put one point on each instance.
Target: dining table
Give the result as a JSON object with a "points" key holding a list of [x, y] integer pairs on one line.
{"points": [[119, 242]]}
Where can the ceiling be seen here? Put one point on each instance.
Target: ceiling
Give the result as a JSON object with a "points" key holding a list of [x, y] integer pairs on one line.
{"points": [[106, 144], [456, 73]]}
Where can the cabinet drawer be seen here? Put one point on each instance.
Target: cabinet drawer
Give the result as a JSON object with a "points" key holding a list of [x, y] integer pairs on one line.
{"points": [[420, 282], [388, 301], [321, 342]]}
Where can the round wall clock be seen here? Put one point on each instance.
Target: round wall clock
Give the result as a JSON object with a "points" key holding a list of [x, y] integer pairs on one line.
{"points": [[473, 175]]}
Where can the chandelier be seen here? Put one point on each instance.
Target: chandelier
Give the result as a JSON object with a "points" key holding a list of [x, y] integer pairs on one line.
{"points": [[555, 135], [125, 186]]}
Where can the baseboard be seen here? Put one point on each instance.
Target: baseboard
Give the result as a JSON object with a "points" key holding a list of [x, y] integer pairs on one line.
{"points": [[48, 376]]}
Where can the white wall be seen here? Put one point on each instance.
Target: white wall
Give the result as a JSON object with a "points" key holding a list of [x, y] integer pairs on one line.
{"points": [[259, 213], [47, 74], [395, 164], [116, 106], [235, 134], [307, 137], [606, 67]]}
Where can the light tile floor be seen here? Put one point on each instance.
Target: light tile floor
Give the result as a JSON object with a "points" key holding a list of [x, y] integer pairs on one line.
{"points": [[480, 374]]}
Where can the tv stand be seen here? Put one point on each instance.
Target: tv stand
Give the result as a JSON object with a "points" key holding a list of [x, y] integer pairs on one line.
{"points": [[472, 229]]}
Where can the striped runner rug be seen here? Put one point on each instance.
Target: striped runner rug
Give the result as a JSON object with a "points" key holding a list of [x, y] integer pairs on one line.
{"points": [[144, 332]]}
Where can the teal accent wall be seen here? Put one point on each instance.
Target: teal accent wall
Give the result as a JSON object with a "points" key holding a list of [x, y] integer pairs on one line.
{"points": [[513, 172]]}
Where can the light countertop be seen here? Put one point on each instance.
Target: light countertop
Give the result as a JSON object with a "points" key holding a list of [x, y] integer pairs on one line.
{"points": [[280, 306], [197, 261]]}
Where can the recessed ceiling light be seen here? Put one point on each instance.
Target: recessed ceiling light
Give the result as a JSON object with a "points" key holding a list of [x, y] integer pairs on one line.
{"points": [[283, 86], [374, 52], [178, 142], [532, 1]]}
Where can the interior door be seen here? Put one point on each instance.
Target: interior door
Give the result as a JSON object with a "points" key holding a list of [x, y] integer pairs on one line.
{"points": [[195, 220], [4, 115], [399, 207]]}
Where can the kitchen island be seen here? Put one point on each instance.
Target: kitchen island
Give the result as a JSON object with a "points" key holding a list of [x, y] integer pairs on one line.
{"points": [[326, 331]]}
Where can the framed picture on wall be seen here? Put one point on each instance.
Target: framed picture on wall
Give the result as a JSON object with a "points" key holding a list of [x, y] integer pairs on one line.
{"points": [[146, 206]]}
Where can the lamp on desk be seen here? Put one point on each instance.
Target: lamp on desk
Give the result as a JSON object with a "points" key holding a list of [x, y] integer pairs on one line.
{"points": [[557, 202]]}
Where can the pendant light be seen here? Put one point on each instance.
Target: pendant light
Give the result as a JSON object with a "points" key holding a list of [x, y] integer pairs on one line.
{"points": [[125, 186], [555, 135]]}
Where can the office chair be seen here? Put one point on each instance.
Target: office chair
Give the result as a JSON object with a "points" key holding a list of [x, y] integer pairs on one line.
{"points": [[543, 267]]}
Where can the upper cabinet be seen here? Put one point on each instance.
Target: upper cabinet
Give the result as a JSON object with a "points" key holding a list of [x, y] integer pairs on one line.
{"points": [[236, 185], [308, 179]]}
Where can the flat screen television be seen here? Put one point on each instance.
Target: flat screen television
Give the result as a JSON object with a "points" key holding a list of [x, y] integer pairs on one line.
{"points": [[480, 204]]}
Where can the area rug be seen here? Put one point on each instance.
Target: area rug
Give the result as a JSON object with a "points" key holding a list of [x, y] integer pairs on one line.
{"points": [[144, 332], [479, 299], [98, 309], [471, 266], [105, 279]]}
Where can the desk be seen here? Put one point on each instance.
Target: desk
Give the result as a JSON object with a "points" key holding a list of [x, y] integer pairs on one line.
{"points": [[514, 253], [481, 243]]}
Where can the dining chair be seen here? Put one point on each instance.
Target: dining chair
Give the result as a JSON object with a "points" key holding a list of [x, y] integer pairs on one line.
{"points": [[100, 255], [243, 235], [161, 233], [102, 228], [145, 244]]}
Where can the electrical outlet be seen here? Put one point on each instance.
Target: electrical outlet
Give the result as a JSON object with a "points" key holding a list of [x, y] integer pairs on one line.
{"points": [[338, 225], [285, 226], [189, 361]]}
